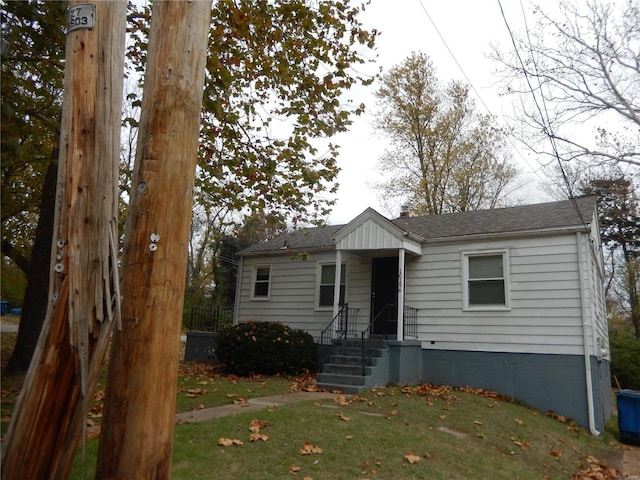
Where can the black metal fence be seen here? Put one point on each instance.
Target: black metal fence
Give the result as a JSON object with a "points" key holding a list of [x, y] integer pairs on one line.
{"points": [[410, 322], [341, 326], [205, 318]]}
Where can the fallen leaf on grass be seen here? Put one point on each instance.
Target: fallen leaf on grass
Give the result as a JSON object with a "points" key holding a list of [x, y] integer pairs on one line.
{"points": [[555, 453], [394, 412], [309, 448], [341, 400], [442, 417], [349, 437], [294, 469], [518, 421], [523, 445], [254, 437], [341, 416], [195, 392], [229, 442], [411, 458], [256, 425]]}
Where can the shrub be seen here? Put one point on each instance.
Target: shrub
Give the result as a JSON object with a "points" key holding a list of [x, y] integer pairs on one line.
{"points": [[266, 348], [625, 359]]}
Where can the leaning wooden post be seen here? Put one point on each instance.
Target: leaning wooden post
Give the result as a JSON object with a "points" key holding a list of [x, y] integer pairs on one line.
{"points": [[139, 413], [48, 419]]}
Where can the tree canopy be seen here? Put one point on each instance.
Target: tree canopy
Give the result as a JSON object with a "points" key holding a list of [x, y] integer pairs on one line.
{"points": [[32, 74], [275, 75], [619, 215], [444, 156]]}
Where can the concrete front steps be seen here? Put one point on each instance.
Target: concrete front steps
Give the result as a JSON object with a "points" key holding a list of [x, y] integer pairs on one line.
{"points": [[343, 371]]}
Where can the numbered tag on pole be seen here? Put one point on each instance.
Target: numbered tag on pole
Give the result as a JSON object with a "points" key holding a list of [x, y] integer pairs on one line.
{"points": [[80, 16]]}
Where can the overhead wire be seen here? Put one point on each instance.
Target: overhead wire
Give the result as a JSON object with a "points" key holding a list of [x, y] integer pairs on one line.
{"points": [[477, 93], [544, 116]]}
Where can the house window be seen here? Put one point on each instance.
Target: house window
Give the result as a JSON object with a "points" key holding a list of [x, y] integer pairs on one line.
{"points": [[326, 284], [486, 280], [261, 282]]}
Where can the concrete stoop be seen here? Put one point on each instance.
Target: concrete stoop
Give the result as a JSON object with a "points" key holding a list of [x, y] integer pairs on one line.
{"points": [[344, 372]]}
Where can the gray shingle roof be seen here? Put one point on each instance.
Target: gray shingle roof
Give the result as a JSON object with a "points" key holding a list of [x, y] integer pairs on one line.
{"points": [[526, 218]]}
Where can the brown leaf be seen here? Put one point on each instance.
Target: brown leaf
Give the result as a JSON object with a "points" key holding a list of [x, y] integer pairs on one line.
{"points": [[294, 469], [256, 425], [309, 448], [341, 400], [411, 458], [254, 437], [229, 442], [555, 453], [341, 416]]}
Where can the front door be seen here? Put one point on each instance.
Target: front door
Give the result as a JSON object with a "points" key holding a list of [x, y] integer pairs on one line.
{"points": [[384, 295]]}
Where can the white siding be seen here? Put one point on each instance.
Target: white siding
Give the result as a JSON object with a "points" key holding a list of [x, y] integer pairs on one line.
{"points": [[544, 285], [546, 311], [293, 291]]}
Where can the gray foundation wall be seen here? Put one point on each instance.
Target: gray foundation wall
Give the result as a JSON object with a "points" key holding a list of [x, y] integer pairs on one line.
{"points": [[545, 382]]}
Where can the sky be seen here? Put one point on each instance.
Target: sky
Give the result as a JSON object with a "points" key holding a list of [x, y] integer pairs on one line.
{"points": [[467, 30]]}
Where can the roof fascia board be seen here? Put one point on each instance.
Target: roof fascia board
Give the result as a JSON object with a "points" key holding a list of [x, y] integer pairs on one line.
{"points": [[501, 235]]}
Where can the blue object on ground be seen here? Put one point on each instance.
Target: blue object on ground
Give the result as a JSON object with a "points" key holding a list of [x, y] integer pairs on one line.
{"points": [[629, 415], [3, 307], [16, 311]]}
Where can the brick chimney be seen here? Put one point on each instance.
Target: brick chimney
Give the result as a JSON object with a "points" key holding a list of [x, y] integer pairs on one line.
{"points": [[404, 211]]}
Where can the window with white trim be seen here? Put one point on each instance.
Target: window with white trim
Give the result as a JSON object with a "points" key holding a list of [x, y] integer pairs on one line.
{"points": [[261, 282], [325, 284], [485, 278]]}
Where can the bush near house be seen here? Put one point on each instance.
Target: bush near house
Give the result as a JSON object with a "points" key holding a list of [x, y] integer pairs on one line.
{"points": [[265, 348], [625, 359]]}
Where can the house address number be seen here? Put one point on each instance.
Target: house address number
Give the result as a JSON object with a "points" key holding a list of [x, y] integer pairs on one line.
{"points": [[80, 16]]}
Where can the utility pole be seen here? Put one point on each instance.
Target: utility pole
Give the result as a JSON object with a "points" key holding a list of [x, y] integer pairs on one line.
{"points": [[50, 414], [139, 414]]}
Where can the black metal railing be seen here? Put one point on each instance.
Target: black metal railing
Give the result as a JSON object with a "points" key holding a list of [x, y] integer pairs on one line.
{"points": [[341, 326], [370, 341], [410, 322], [205, 318]]}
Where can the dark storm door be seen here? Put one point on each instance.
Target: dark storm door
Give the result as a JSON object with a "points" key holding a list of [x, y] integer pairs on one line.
{"points": [[384, 295]]}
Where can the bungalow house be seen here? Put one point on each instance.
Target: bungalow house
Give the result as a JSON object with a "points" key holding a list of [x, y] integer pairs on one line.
{"points": [[506, 299]]}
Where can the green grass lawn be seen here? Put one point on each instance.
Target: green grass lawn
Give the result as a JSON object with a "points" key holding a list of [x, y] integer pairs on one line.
{"points": [[387, 433]]}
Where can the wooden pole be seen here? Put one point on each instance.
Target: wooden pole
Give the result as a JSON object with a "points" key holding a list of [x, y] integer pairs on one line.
{"points": [[48, 419], [139, 414]]}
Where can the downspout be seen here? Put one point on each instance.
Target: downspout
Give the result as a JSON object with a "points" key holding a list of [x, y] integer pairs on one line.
{"points": [[585, 337]]}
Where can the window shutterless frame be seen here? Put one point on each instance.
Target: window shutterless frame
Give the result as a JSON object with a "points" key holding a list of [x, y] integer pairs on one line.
{"points": [[325, 285], [261, 282], [485, 280]]}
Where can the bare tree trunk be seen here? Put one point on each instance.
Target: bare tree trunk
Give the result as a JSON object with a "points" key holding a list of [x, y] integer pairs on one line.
{"points": [[139, 414], [35, 303], [83, 298]]}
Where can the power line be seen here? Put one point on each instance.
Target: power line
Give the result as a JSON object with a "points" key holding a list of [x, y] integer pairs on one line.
{"points": [[544, 117], [515, 148]]}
